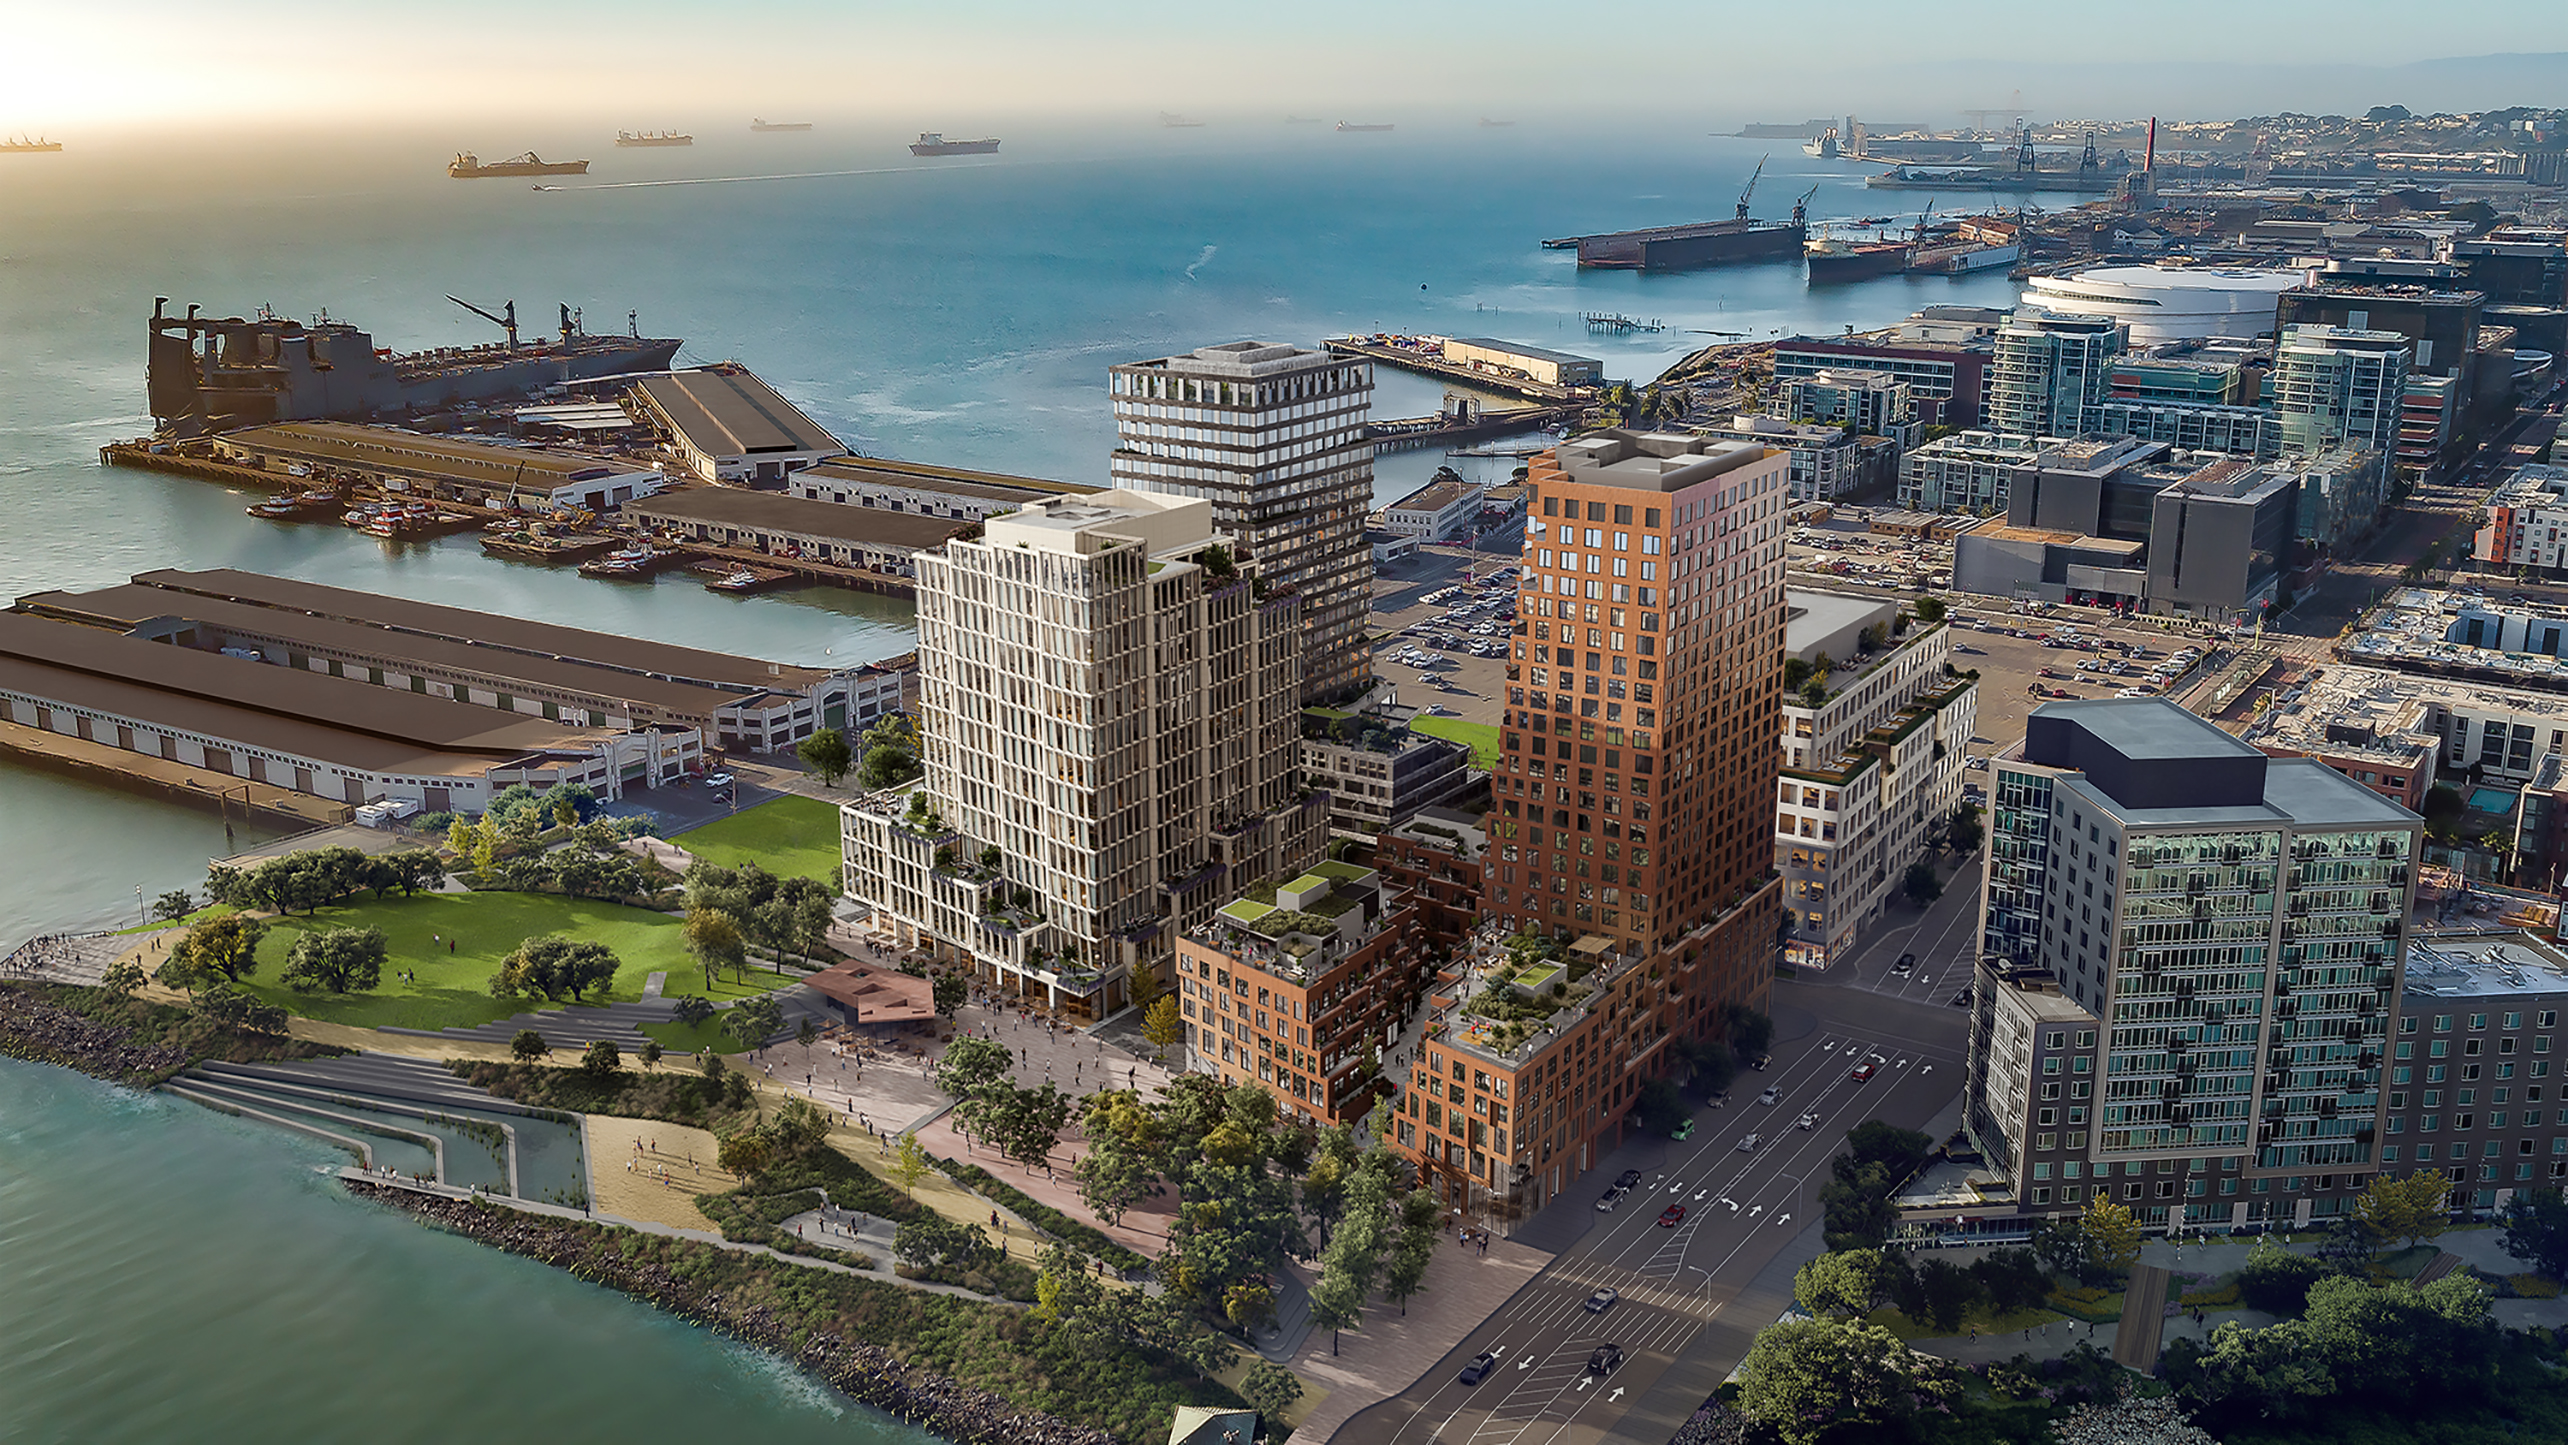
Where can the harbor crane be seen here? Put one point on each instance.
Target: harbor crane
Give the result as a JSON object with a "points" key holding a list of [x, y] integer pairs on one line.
{"points": [[1801, 208], [506, 321], [1752, 186]]}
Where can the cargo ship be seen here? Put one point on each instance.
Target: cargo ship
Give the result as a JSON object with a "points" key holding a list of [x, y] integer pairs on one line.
{"points": [[652, 138], [1733, 242], [24, 146], [210, 373], [1963, 252], [757, 124], [468, 166], [929, 143], [1837, 259]]}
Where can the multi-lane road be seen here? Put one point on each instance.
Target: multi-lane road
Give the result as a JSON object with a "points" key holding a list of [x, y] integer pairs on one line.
{"points": [[1743, 1207]]}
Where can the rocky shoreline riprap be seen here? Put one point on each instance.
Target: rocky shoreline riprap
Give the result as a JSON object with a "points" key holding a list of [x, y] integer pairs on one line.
{"points": [[38, 1030], [865, 1372]]}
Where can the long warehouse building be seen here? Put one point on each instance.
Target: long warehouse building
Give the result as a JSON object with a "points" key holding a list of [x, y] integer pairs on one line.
{"points": [[330, 737], [538, 668]]}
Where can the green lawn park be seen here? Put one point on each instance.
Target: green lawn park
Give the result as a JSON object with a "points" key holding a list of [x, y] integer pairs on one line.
{"points": [[791, 837], [1481, 738], [453, 987]]}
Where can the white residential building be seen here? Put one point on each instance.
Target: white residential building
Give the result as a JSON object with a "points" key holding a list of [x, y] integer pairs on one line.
{"points": [[1275, 438], [1870, 774], [1109, 708], [1966, 472]]}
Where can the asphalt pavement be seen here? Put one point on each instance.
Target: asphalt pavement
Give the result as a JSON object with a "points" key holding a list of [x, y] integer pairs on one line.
{"points": [[1684, 1283]]}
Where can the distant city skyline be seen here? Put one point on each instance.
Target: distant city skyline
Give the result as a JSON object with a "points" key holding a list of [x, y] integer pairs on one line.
{"points": [[155, 62]]}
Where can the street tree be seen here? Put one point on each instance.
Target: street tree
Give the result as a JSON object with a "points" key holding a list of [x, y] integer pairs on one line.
{"points": [[1162, 1025], [173, 905], [971, 1065], [1421, 1227], [122, 977], [2536, 1230], [2410, 1209], [827, 755], [336, 959], [527, 1045], [651, 1052], [753, 1020], [1920, 883], [553, 967], [909, 1164], [713, 936], [1270, 1389], [1121, 1167], [1849, 1283], [2114, 1233], [1066, 1292], [227, 947], [950, 992], [1353, 1259], [1814, 1380], [1026, 1123]]}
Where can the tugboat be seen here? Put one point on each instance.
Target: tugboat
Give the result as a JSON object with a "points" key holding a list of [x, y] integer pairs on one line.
{"points": [[300, 504], [629, 564]]}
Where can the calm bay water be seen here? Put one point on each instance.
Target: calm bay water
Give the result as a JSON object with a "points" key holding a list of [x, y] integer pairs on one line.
{"points": [[167, 1273]]}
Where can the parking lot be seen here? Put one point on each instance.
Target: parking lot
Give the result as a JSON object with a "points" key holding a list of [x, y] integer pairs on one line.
{"points": [[1449, 654], [2010, 665]]}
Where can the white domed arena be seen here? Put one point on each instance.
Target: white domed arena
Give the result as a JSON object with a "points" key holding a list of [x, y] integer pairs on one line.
{"points": [[2170, 303]]}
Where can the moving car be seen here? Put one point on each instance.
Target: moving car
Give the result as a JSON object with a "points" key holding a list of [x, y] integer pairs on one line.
{"points": [[1750, 1143], [1807, 1122], [1672, 1216], [1603, 1300], [1770, 1096], [1865, 1070], [1605, 1360], [1960, 1000], [1907, 965], [1479, 1368]]}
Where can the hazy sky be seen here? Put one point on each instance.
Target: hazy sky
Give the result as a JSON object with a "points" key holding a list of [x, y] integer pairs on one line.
{"points": [[70, 64]]}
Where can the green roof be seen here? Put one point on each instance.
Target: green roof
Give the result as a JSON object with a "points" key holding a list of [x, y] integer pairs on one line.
{"points": [[1312, 879], [1342, 872], [1246, 911]]}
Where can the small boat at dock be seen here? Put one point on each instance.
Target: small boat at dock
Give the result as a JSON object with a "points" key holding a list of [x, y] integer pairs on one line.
{"points": [[740, 580], [632, 564]]}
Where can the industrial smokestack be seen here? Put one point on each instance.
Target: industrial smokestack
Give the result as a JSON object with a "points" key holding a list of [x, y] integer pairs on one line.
{"points": [[2149, 158]]}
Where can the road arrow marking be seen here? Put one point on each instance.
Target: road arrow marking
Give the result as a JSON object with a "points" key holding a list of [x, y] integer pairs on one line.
{"points": [[1755, 1209], [1734, 1204], [1586, 1380], [1618, 1394], [1526, 1363], [1782, 1218], [1930, 1068]]}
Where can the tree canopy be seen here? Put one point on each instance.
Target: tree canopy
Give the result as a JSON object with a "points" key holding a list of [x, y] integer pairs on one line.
{"points": [[552, 967], [336, 959]]}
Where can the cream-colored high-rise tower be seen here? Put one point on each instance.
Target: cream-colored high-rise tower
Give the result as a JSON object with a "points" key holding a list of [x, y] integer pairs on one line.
{"points": [[1108, 701]]}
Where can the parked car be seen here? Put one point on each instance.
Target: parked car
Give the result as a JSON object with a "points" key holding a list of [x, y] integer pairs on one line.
{"points": [[1603, 1300], [1479, 1368], [1627, 1179], [1682, 1132], [1612, 1198]]}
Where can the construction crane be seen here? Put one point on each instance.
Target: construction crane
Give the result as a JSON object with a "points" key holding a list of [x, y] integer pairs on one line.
{"points": [[1801, 208], [506, 321], [1752, 186]]}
